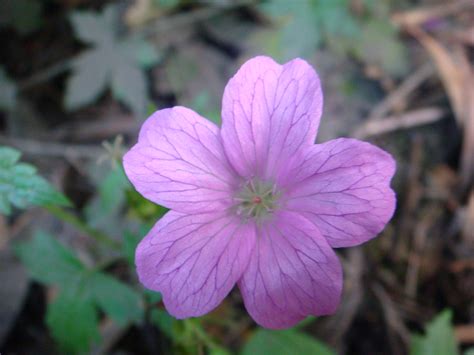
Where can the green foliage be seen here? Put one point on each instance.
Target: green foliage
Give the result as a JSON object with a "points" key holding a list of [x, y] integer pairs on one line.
{"points": [[8, 92], [144, 209], [294, 19], [163, 321], [21, 186], [72, 317], [49, 262], [439, 337], [303, 26], [73, 322], [104, 209], [111, 62], [379, 46], [284, 342], [116, 299], [130, 242], [23, 15], [202, 105], [166, 4]]}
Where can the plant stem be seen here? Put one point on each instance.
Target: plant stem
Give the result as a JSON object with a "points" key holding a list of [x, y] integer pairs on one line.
{"points": [[72, 219], [202, 336], [46, 74]]}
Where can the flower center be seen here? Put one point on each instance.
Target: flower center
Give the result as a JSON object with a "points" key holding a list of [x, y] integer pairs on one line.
{"points": [[256, 199]]}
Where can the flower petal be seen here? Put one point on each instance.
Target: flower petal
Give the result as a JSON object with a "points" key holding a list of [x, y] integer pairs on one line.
{"points": [[194, 260], [179, 162], [269, 111], [292, 273], [343, 186]]}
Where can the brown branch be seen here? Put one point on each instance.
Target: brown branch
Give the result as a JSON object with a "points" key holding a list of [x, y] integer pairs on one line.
{"points": [[407, 120], [53, 149]]}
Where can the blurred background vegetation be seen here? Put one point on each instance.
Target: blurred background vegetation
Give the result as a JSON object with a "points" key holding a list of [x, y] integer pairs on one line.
{"points": [[77, 78]]}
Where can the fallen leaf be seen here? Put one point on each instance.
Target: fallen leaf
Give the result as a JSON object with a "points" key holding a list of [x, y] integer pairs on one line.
{"points": [[448, 68], [421, 15]]}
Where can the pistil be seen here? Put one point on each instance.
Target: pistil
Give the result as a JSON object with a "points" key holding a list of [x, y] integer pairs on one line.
{"points": [[256, 199]]}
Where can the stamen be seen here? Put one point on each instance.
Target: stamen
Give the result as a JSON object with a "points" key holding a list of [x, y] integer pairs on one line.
{"points": [[256, 199]]}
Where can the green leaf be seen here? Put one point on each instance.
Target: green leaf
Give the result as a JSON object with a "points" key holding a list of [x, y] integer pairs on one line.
{"points": [[163, 321], [111, 62], [91, 27], [439, 338], [130, 242], [201, 104], [140, 52], [284, 342], [23, 15], [88, 80], [72, 320], [48, 261], [166, 4], [293, 18], [335, 19], [129, 85], [8, 157], [21, 186], [377, 34], [321, 20], [144, 209], [116, 299], [469, 351], [110, 199], [8, 92]]}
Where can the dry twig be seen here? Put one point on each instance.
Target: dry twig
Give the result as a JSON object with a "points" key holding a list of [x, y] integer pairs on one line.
{"points": [[407, 120], [424, 14], [400, 94], [392, 315], [69, 151], [464, 333]]}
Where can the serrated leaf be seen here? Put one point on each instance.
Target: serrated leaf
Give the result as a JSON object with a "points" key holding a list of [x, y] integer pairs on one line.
{"points": [[89, 79], [293, 18], [48, 261], [91, 27], [73, 322], [8, 157], [378, 34], [140, 52], [116, 299], [8, 92], [439, 338], [335, 18], [22, 187], [321, 20], [129, 86], [23, 15], [112, 62], [284, 342]]}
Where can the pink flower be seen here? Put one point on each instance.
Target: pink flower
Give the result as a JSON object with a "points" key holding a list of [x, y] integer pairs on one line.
{"points": [[256, 202]]}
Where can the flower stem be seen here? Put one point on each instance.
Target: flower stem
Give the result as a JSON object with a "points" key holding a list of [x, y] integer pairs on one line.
{"points": [[202, 335], [75, 221]]}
